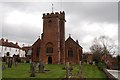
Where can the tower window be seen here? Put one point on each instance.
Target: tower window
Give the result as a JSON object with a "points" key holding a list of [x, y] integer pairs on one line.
{"points": [[50, 21], [49, 50]]}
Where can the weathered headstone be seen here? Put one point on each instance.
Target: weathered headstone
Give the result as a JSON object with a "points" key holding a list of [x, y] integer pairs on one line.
{"points": [[32, 70], [41, 67], [80, 63], [93, 62], [3, 67], [9, 63], [16, 61], [31, 65], [87, 62], [35, 66], [80, 70], [67, 70], [7, 59]]}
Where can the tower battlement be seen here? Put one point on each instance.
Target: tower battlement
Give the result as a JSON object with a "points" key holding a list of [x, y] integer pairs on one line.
{"points": [[60, 15]]}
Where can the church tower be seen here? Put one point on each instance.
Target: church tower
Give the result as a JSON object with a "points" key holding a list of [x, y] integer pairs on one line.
{"points": [[53, 38]]}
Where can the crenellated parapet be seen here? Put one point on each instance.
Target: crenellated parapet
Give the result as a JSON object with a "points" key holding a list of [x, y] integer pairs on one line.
{"points": [[60, 15]]}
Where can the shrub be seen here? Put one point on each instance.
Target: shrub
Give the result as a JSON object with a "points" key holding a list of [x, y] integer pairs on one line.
{"points": [[101, 65]]}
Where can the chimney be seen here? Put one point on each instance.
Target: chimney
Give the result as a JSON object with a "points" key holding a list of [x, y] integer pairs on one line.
{"points": [[2, 40], [6, 40], [39, 36], [16, 43], [42, 36], [23, 45], [69, 35], [77, 42]]}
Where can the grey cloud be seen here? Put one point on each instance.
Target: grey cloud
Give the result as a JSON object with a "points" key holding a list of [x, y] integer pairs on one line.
{"points": [[100, 11], [21, 33], [93, 11], [76, 13]]}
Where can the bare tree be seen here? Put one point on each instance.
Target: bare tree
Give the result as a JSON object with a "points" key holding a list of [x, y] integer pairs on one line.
{"points": [[104, 45], [107, 44]]}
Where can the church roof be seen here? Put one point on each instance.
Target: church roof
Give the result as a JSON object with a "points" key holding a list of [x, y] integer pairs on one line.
{"points": [[70, 39], [37, 42]]}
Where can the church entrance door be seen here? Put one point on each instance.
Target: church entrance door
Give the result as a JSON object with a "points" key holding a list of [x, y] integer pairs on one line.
{"points": [[49, 60]]}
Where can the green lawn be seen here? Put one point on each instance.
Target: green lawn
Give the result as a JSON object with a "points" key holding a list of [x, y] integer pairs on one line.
{"points": [[22, 71], [56, 71], [88, 71], [92, 71]]}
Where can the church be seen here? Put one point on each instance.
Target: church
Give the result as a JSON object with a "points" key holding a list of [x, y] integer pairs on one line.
{"points": [[52, 48]]}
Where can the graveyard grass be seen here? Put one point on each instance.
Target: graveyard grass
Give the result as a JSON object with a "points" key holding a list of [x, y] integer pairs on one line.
{"points": [[23, 71], [56, 71]]}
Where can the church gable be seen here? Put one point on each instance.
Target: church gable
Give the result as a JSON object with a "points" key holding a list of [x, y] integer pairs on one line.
{"points": [[73, 51], [36, 50], [52, 47], [71, 42], [37, 42]]}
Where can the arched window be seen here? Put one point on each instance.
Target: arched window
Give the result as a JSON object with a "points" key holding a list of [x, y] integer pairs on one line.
{"points": [[49, 47], [49, 50], [70, 53]]}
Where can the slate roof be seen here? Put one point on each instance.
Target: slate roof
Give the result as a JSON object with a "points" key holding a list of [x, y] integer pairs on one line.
{"points": [[9, 44], [37, 41], [26, 48], [70, 39]]}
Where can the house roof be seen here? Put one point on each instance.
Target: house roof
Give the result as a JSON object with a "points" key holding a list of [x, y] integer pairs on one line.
{"points": [[29, 52], [70, 39], [26, 48], [9, 44], [37, 41]]}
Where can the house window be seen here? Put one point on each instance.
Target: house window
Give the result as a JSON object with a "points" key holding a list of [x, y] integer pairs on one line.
{"points": [[10, 49], [70, 53], [49, 50], [16, 50], [5, 48]]}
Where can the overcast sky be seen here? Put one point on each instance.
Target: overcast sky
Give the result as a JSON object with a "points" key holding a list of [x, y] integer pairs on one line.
{"points": [[22, 21]]}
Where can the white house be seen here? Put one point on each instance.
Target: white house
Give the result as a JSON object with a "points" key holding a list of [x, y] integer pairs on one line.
{"points": [[11, 48]]}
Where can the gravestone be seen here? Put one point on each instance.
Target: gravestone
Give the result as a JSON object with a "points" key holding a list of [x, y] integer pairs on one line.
{"points": [[7, 59], [15, 61], [9, 63], [31, 65], [87, 62], [41, 67], [93, 62], [80, 70], [68, 70], [32, 69], [3, 67]]}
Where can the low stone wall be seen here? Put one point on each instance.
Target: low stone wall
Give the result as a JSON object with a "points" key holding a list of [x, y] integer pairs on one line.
{"points": [[109, 76]]}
